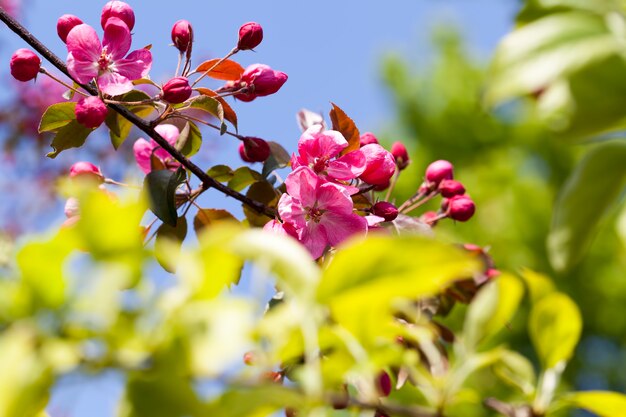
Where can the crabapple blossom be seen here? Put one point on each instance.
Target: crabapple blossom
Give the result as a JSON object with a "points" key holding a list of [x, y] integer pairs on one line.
{"points": [[320, 211], [438, 171], [90, 111], [379, 166], [145, 151], [283, 229], [88, 58], [24, 65], [254, 149], [86, 169], [401, 155], [176, 90], [66, 23], [250, 36], [261, 80], [182, 35], [367, 138], [120, 10]]}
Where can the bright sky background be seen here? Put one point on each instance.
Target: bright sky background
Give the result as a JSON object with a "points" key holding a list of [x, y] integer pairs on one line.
{"points": [[331, 51]]}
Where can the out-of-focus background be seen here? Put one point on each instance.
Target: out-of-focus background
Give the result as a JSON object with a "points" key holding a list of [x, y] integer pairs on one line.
{"points": [[411, 71]]}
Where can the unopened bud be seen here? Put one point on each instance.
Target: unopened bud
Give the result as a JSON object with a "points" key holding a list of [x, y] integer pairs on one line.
{"points": [[24, 65], [383, 383], [254, 150], [450, 188], [379, 165], [182, 35], [176, 90], [261, 80], [367, 138], [460, 208], [400, 154], [85, 169], [386, 210], [65, 24], [90, 111], [438, 171], [250, 36], [120, 10]]}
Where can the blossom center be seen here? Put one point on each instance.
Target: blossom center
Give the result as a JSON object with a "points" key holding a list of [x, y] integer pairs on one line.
{"points": [[320, 164], [105, 60], [314, 214]]}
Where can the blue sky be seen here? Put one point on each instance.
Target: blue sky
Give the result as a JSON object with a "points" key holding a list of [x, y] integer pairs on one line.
{"points": [[331, 51]]}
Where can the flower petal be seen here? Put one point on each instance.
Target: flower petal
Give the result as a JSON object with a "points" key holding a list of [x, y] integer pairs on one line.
{"points": [[338, 227], [313, 237], [291, 211], [347, 167], [83, 43], [315, 143], [136, 65], [117, 38], [170, 133], [302, 184], [82, 71], [334, 197], [143, 151], [114, 84]]}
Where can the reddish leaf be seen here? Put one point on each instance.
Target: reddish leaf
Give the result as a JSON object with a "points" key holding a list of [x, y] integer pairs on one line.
{"points": [[345, 125], [229, 113], [227, 70]]}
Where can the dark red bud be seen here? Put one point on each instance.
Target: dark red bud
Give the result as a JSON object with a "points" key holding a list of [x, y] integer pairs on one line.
{"points": [[65, 24], [176, 90], [460, 208], [120, 10], [90, 111], [401, 155], [386, 210], [383, 384], [367, 138], [24, 65], [254, 150], [439, 171], [250, 36], [450, 188], [182, 35]]}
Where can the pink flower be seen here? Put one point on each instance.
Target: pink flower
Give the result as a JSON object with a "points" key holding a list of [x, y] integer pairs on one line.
{"points": [[88, 58], [261, 80], [90, 112], [144, 150], [281, 229], [319, 150], [182, 35], [320, 211], [250, 36], [380, 165]]}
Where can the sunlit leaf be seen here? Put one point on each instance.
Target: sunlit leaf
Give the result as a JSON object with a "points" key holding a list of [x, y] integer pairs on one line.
{"points": [[538, 285], [229, 113], [221, 173], [209, 105], [264, 193], [168, 242], [72, 135], [206, 217], [555, 325], [190, 140], [160, 186], [57, 116], [601, 403], [261, 401], [592, 189], [119, 127], [347, 127], [517, 371], [243, 177], [227, 70]]}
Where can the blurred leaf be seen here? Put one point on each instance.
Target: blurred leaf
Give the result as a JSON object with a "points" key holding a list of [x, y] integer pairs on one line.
{"points": [[243, 177], [221, 173], [205, 217], [258, 401], [227, 70], [534, 56], [554, 326], [602, 403], [534, 9], [345, 125], [279, 158], [492, 309], [538, 284], [190, 140], [143, 81], [229, 113], [264, 193], [160, 186], [168, 242], [592, 189], [72, 135], [517, 371], [57, 116]]}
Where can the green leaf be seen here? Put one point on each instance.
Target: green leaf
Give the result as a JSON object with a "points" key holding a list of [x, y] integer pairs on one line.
{"points": [[221, 173], [190, 140], [72, 135], [57, 116], [555, 325], [517, 371], [168, 242], [279, 158], [264, 193], [492, 309], [206, 217], [264, 400], [119, 127], [536, 55], [243, 177], [209, 105], [602, 403], [589, 193], [160, 187]]}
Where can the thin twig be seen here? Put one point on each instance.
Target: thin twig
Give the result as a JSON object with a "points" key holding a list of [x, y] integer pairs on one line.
{"points": [[207, 181]]}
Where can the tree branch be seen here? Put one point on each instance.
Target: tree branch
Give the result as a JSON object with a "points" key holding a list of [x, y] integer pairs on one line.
{"points": [[207, 181]]}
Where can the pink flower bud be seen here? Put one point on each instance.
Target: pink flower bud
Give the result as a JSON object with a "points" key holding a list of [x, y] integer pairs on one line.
{"points": [[71, 208], [90, 111], [438, 171], [182, 35], [460, 208], [176, 90], [261, 81], [120, 10], [379, 165], [386, 210], [383, 383], [86, 169], [250, 36], [400, 154], [450, 188], [25, 65], [254, 150], [65, 24], [367, 138]]}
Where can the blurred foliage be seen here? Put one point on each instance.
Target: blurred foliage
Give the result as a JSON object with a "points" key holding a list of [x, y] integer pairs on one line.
{"points": [[513, 165]]}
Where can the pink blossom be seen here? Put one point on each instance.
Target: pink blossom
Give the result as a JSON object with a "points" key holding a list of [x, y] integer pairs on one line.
{"points": [[282, 229], [88, 58], [380, 165], [144, 150], [261, 80], [319, 150], [320, 211]]}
